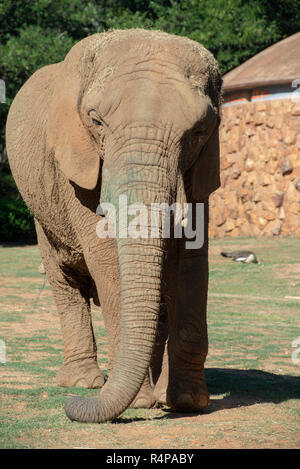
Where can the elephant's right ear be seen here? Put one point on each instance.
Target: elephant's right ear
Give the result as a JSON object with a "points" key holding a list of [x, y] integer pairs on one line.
{"points": [[206, 170], [66, 135]]}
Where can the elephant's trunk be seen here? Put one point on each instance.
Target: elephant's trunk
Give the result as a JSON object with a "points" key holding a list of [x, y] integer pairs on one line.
{"points": [[140, 287], [141, 265]]}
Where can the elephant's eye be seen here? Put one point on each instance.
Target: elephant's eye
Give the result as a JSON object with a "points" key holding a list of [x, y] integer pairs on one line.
{"points": [[96, 122], [95, 118]]}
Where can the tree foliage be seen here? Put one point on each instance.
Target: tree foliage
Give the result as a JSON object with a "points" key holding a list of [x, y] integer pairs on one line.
{"points": [[34, 33]]}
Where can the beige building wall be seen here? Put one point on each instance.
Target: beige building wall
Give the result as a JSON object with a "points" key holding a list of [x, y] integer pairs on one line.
{"points": [[260, 170]]}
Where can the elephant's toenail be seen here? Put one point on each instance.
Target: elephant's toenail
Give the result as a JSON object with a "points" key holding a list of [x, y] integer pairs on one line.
{"points": [[185, 402], [203, 401], [82, 383], [98, 382]]}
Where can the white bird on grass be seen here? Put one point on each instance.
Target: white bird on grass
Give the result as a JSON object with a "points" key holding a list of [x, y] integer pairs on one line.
{"points": [[247, 257]]}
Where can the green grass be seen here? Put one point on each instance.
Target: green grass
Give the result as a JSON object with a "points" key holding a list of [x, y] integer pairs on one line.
{"points": [[254, 385], [20, 262]]}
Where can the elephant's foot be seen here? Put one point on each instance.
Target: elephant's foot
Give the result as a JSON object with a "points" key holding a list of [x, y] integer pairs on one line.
{"points": [[84, 373], [145, 398], [187, 396], [188, 402]]}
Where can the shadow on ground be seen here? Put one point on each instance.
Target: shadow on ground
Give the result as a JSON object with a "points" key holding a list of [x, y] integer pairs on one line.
{"points": [[240, 388], [248, 387]]}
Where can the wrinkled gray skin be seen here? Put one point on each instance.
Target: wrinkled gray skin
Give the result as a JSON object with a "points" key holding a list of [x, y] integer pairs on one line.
{"points": [[134, 113]]}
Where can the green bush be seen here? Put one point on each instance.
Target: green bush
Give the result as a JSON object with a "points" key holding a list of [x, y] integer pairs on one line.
{"points": [[16, 222], [39, 32]]}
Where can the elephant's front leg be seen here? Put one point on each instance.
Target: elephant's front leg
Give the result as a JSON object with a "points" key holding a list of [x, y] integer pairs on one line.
{"points": [[188, 343], [182, 382], [102, 261], [79, 366]]}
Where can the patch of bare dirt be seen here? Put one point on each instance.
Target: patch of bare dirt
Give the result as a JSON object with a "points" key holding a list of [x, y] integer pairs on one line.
{"points": [[256, 426], [16, 379], [229, 422]]}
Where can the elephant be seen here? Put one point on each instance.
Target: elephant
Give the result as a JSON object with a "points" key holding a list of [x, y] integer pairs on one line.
{"points": [[134, 113]]}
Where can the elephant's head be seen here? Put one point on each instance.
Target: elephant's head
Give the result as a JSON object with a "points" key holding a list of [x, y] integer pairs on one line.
{"points": [[148, 104]]}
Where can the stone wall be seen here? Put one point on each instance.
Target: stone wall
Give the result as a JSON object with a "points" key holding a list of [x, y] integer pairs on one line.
{"points": [[260, 170]]}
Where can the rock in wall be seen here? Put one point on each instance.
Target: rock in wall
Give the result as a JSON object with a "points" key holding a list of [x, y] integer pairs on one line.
{"points": [[260, 170]]}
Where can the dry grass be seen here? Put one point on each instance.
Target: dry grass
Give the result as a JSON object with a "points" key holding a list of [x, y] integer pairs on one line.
{"points": [[254, 385]]}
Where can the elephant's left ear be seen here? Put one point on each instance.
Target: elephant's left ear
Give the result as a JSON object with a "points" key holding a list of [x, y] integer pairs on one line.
{"points": [[66, 135], [206, 169]]}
